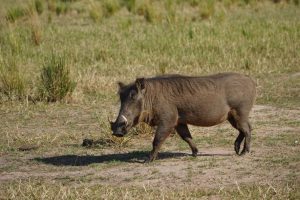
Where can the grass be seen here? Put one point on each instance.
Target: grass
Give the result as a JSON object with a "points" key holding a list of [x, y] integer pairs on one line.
{"points": [[56, 83], [187, 45], [39, 6], [12, 84], [31, 189], [47, 46], [15, 13]]}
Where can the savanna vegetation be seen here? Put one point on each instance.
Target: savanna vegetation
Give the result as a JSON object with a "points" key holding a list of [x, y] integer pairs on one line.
{"points": [[59, 64]]}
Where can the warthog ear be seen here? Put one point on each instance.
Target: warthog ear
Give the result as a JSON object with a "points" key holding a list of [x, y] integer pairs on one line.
{"points": [[121, 85], [140, 83]]}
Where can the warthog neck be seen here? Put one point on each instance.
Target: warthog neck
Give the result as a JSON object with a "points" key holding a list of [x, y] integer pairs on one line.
{"points": [[147, 111]]}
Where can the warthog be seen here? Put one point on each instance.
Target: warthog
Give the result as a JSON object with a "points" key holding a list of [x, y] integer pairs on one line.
{"points": [[174, 101]]}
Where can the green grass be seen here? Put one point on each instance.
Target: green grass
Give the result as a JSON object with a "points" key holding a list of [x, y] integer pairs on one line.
{"points": [[56, 83], [15, 13], [261, 40], [12, 84]]}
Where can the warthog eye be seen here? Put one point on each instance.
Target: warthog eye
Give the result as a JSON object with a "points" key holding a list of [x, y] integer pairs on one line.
{"points": [[132, 94]]}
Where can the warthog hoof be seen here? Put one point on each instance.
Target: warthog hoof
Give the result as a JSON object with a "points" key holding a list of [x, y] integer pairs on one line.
{"points": [[237, 149], [244, 152], [194, 152], [148, 160]]}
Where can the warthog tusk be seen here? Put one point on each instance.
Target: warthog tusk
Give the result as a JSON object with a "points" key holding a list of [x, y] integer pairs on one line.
{"points": [[125, 119]]}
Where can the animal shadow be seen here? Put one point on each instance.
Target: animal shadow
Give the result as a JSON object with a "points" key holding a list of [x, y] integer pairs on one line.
{"points": [[84, 160], [130, 157]]}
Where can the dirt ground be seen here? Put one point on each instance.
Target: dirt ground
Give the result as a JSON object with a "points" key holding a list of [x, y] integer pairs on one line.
{"points": [[275, 156]]}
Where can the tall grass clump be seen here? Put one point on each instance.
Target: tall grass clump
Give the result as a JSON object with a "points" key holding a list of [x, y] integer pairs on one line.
{"points": [[35, 28], [56, 81], [62, 8], [12, 83], [207, 9], [39, 6], [129, 4], [171, 11], [147, 10], [10, 41], [96, 12], [15, 13], [51, 5], [110, 7]]}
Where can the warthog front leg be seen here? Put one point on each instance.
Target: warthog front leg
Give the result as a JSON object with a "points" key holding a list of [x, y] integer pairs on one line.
{"points": [[160, 136], [183, 131]]}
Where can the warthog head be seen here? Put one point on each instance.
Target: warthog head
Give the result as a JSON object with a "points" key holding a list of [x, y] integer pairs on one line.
{"points": [[131, 97]]}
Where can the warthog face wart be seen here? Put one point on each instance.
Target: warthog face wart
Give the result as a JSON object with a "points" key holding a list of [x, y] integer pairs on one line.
{"points": [[131, 97]]}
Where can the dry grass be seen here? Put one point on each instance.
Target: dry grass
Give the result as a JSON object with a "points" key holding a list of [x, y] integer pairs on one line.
{"points": [[32, 189]]}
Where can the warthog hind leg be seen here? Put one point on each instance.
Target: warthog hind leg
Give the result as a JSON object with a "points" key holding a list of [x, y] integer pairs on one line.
{"points": [[246, 129], [238, 141], [241, 123]]}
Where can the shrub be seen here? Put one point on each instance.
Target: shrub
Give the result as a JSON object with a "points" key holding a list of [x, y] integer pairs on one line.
{"points": [[56, 81], [12, 84], [15, 13]]}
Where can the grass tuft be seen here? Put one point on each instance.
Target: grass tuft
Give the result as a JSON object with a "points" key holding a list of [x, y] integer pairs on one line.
{"points": [[96, 12], [148, 10], [207, 9], [39, 6], [12, 83], [36, 30], [129, 4], [56, 82], [15, 13], [62, 8], [110, 7]]}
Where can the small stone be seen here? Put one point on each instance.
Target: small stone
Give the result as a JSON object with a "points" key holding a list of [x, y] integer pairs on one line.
{"points": [[27, 147], [87, 142]]}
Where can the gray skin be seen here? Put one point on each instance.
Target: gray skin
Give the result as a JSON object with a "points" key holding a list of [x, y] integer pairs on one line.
{"points": [[174, 101]]}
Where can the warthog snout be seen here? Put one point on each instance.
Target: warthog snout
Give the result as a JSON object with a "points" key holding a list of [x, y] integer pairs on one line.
{"points": [[119, 127]]}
